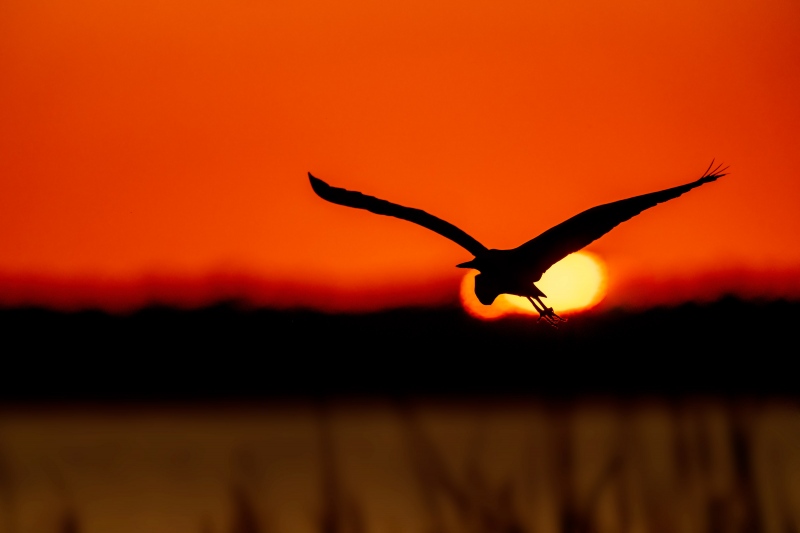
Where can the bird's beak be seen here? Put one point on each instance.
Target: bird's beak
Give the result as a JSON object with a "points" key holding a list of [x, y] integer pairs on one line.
{"points": [[468, 264]]}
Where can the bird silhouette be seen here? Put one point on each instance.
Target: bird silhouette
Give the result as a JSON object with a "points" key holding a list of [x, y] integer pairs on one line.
{"points": [[515, 271]]}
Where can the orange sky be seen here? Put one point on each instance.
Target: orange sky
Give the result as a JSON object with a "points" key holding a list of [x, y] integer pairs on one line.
{"points": [[164, 144]]}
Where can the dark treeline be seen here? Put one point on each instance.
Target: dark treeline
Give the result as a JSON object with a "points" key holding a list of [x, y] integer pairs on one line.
{"points": [[730, 347]]}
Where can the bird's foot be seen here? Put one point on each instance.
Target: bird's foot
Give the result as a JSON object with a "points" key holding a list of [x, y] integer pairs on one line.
{"points": [[546, 313], [550, 316]]}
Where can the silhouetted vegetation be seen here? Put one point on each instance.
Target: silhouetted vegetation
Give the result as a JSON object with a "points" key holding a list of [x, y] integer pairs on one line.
{"points": [[225, 352], [245, 517], [728, 349]]}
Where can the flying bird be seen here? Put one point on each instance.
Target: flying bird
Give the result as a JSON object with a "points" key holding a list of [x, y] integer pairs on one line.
{"points": [[516, 270]]}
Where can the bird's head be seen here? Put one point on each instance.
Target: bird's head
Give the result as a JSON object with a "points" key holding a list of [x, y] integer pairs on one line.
{"points": [[487, 287]]}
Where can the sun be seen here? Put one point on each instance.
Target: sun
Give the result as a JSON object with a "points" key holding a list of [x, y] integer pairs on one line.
{"points": [[574, 284]]}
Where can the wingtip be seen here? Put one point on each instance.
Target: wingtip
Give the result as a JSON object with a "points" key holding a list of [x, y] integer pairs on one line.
{"points": [[712, 175], [317, 184]]}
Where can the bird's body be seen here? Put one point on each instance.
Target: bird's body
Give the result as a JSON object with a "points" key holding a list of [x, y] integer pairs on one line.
{"points": [[515, 271]]}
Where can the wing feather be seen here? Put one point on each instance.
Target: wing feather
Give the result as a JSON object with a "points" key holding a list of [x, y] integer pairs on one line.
{"points": [[358, 200], [541, 252]]}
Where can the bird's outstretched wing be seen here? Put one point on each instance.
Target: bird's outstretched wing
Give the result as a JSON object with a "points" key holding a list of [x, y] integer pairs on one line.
{"points": [[382, 207], [541, 252]]}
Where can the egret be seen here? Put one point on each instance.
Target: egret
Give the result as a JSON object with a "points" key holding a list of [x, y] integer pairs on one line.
{"points": [[514, 271]]}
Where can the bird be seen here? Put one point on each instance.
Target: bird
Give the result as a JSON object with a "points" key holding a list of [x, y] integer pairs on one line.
{"points": [[515, 271]]}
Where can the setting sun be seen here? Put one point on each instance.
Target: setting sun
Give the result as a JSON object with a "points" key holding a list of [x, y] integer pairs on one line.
{"points": [[576, 283]]}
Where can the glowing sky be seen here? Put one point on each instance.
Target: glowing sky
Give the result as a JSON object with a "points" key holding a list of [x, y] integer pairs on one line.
{"points": [[170, 140]]}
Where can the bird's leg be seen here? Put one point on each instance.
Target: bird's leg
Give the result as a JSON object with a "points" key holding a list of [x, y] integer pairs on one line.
{"points": [[545, 312]]}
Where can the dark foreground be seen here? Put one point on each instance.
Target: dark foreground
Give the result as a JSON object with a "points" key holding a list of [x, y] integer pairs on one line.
{"points": [[224, 420], [377, 466], [729, 348]]}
